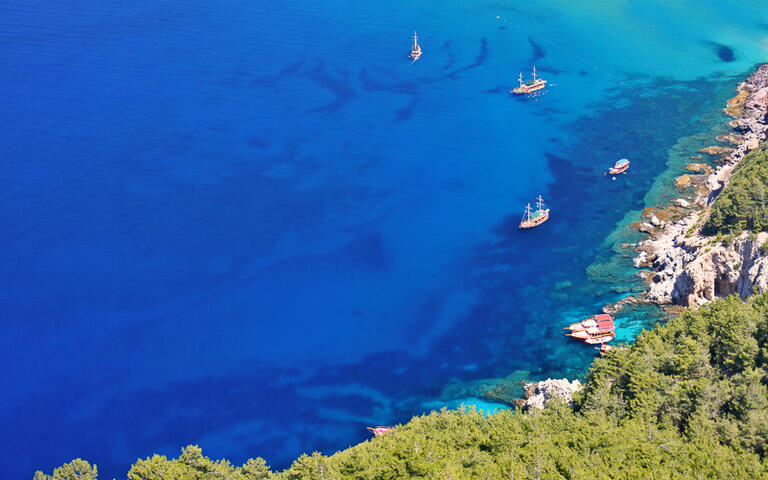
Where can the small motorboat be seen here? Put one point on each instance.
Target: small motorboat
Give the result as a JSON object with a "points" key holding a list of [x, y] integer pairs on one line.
{"points": [[599, 339], [619, 167], [380, 431], [604, 348]]}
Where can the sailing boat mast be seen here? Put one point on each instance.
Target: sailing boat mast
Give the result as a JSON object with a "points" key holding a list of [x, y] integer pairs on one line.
{"points": [[534, 85], [537, 217], [415, 49]]}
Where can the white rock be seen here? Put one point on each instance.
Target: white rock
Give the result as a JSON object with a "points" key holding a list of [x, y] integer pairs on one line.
{"points": [[551, 389]]}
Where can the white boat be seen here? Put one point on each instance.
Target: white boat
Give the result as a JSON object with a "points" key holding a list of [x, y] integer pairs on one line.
{"points": [[416, 48]]}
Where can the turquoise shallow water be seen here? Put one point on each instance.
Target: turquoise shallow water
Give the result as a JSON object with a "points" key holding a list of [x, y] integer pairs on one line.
{"points": [[258, 227]]}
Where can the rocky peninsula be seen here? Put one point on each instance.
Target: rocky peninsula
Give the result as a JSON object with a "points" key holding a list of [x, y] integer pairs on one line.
{"points": [[687, 267]]}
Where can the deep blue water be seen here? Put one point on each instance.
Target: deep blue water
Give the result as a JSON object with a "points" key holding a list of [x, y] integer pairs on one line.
{"points": [[259, 228]]}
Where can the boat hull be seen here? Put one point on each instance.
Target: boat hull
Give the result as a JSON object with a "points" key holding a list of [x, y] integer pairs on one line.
{"points": [[582, 325], [599, 340], [535, 222], [618, 168], [591, 333], [528, 88]]}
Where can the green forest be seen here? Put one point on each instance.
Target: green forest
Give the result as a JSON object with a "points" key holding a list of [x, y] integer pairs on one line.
{"points": [[743, 203], [687, 400]]}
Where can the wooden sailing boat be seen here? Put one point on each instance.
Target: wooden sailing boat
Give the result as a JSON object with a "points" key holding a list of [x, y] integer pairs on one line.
{"points": [[536, 217], [416, 48], [593, 332], [593, 321], [529, 87]]}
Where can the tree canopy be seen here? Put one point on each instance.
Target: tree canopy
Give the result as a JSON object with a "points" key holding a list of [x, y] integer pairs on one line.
{"points": [[743, 203], [687, 400]]}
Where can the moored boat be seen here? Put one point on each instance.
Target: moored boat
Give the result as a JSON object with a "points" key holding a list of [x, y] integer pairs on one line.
{"points": [[380, 430], [619, 167], [590, 322], [592, 332], [599, 339], [534, 218], [416, 48], [604, 348], [529, 87]]}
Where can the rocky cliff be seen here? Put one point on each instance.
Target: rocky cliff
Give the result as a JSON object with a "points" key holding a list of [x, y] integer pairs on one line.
{"points": [[691, 269]]}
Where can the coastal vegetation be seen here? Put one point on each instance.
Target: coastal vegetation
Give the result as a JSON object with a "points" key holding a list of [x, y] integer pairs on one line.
{"points": [[687, 400], [743, 203]]}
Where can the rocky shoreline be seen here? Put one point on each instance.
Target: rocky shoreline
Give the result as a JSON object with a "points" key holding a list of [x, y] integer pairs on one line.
{"points": [[681, 266], [687, 268]]}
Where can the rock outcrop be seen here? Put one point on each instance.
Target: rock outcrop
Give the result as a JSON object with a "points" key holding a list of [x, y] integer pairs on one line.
{"points": [[691, 269], [539, 395]]}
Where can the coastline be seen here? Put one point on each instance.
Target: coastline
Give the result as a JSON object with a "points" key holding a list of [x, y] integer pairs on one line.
{"points": [[680, 265]]}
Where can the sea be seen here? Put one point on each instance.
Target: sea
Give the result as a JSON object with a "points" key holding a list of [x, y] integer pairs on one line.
{"points": [[259, 227]]}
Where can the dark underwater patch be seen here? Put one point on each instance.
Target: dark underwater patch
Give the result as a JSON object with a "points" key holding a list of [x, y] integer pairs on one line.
{"points": [[340, 87], [538, 52], [480, 59], [366, 251], [406, 112], [726, 54], [498, 89], [257, 142], [723, 52]]}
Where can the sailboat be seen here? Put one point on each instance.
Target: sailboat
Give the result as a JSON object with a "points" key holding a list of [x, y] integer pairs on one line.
{"points": [[416, 49], [536, 217], [529, 87]]}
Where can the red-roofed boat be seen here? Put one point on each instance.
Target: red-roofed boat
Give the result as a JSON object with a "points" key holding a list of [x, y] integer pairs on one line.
{"points": [[590, 322], [606, 328]]}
